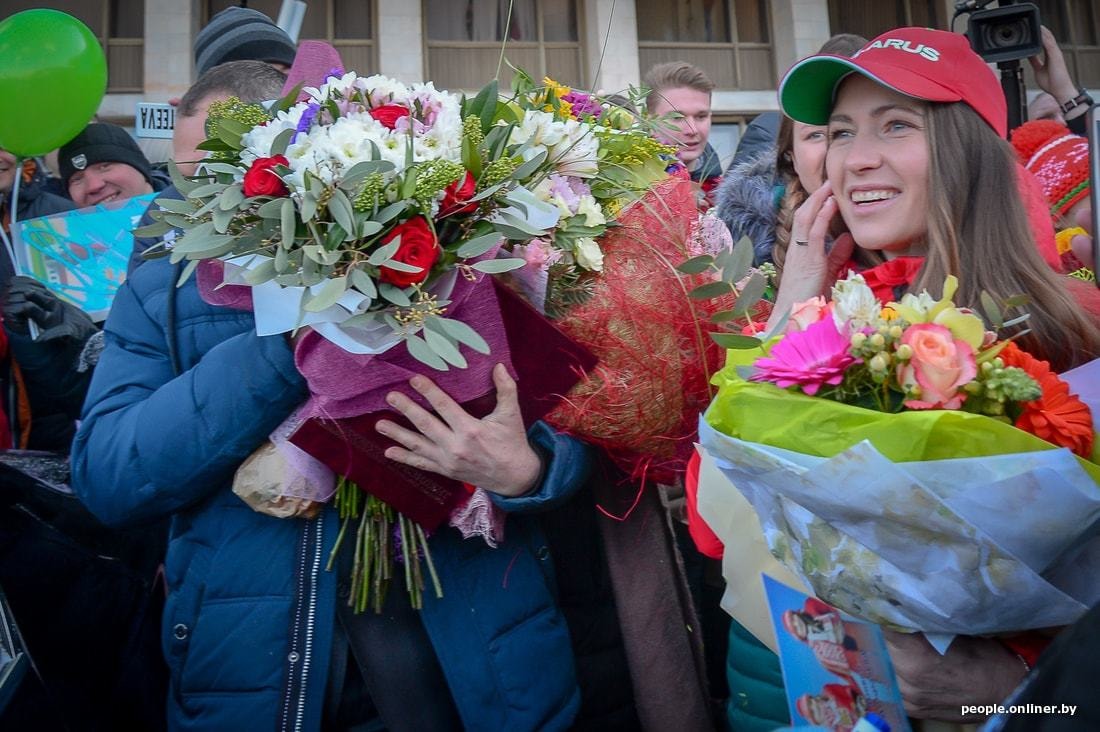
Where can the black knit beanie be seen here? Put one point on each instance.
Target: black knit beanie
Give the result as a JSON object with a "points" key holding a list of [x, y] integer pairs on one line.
{"points": [[241, 34], [101, 142]]}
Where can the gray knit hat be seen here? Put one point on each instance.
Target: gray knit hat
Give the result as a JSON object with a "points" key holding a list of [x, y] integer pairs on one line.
{"points": [[241, 34]]}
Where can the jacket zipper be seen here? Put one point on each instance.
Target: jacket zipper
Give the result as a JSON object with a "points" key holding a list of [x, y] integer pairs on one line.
{"points": [[302, 627]]}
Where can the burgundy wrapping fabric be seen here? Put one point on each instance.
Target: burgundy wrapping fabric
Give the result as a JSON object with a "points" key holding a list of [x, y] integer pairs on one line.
{"points": [[313, 64], [546, 364]]}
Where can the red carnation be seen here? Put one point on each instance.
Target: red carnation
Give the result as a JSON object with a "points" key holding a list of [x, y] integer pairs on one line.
{"points": [[388, 114], [418, 247], [261, 180], [456, 197]]}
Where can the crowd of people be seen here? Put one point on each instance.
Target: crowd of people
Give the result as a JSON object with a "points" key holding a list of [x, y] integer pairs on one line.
{"points": [[883, 160]]}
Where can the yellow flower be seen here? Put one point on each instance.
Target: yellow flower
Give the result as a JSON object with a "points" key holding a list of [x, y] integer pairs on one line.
{"points": [[889, 314], [554, 87]]}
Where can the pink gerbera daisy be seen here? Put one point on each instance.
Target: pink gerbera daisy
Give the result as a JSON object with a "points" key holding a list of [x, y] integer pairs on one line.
{"points": [[808, 359]]}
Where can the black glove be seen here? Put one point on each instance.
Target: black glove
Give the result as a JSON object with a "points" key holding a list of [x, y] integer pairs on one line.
{"points": [[27, 299]]}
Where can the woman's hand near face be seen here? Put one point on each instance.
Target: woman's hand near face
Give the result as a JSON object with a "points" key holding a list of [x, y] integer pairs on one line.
{"points": [[808, 269], [974, 671], [490, 453]]}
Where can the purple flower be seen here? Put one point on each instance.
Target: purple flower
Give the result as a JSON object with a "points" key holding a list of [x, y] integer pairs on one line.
{"points": [[306, 120], [569, 189], [583, 104]]}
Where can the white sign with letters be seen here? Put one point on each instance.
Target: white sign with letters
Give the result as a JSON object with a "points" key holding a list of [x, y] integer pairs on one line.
{"points": [[154, 120]]}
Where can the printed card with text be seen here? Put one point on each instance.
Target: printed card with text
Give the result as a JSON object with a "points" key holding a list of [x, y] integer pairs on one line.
{"points": [[81, 255], [836, 669]]}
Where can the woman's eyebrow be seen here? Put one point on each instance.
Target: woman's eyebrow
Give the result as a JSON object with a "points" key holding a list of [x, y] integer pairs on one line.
{"points": [[878, 112]]}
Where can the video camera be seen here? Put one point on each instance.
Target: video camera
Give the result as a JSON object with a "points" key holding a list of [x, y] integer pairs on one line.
{"points": [[1006, 33]]}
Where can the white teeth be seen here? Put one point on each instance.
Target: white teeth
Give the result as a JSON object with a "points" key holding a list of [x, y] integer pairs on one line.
{"points": [[868, 196]]}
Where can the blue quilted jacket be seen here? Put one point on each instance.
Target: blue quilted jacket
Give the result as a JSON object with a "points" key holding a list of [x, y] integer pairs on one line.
{"points": [[248, 625]]}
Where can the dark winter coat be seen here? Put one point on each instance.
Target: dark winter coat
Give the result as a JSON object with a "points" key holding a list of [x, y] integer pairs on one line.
{"points": [[248, 625], [746, 201]]}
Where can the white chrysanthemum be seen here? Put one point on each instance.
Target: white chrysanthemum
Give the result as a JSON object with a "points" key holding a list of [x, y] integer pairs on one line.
{"points": [[576, 153], [855, 304], [257, 142]]}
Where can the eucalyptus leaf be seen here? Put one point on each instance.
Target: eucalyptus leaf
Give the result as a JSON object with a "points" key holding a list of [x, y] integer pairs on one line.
{"points": [[309, 206], [226, 168], [401, 266], [208, 189], [777, 327], [289, 223], [737, 265], [711, 290], [420, 350], [529, 167], [176, 206], [696, 265], [735, 340], [478, 245], [272, 209], [408, 185], [281, 142], [518, 223], [496, 266], [184, 185], [444, 347], [153, 230], [750, 294], [471, 157], [369, 228], [330, 293], [461, 332], [340, 208], [488, 191], [187, 271], [222, 219], [384, 252], [363, 282], [263, 272], [390, 212], [394, 294], [282, 260]]}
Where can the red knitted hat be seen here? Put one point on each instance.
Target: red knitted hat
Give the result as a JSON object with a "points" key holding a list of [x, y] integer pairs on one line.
{"points": [[1058, 158]]}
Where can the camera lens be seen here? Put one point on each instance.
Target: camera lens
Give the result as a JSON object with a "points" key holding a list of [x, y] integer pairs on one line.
{"points": [[1007, 35]]}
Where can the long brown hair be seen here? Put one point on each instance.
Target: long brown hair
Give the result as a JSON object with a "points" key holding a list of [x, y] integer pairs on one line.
{"points": [[978, 231]]}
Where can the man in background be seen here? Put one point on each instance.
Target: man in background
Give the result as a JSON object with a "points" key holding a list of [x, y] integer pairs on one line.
{"points": [[104, 164], [683, 90]]}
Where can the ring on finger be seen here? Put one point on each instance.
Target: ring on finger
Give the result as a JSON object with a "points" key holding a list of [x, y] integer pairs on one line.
{"points": [[802, 242]]}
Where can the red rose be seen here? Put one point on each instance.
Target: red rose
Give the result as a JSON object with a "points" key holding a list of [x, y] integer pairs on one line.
{"points": [[418, 248], [388, 114], [261, 180], [456, 197]]}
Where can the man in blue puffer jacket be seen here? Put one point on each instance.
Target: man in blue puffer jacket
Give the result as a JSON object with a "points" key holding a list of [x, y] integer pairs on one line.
{"points": [[183, 393]]}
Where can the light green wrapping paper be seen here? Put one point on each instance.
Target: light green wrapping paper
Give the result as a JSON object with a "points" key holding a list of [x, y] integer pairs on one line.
{"points": [[764, 413]]}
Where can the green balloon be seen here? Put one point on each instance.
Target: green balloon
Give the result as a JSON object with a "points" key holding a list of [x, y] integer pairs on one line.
{"points": [[52, 78]]}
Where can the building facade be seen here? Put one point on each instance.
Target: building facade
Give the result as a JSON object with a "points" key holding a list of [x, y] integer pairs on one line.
{"points": [[744, 45]]}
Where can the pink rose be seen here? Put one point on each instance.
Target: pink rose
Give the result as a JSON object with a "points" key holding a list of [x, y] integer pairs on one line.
{"points": [[940, 365], [806, 313]]}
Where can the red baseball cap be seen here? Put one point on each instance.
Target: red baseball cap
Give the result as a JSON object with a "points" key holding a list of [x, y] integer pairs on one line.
{"points": [[932, 65]]}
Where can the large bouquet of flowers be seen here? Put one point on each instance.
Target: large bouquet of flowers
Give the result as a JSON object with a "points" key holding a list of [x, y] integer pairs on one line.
{"points": [[904, 463], [608, 277], [373, 212]]}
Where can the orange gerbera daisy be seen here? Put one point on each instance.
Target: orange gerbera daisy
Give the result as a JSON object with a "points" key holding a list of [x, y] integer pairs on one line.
{"points": [[1058, 416]]}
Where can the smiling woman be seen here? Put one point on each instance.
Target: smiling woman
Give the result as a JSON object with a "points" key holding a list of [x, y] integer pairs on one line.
{"points": [[916, 168], [919, 174]]}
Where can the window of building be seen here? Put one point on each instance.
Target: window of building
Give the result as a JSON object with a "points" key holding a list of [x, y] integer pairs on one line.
{"points": [[869, 18], [1076, 25], [463, 40], [118, 24], [730, 40], [347, 24]]}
